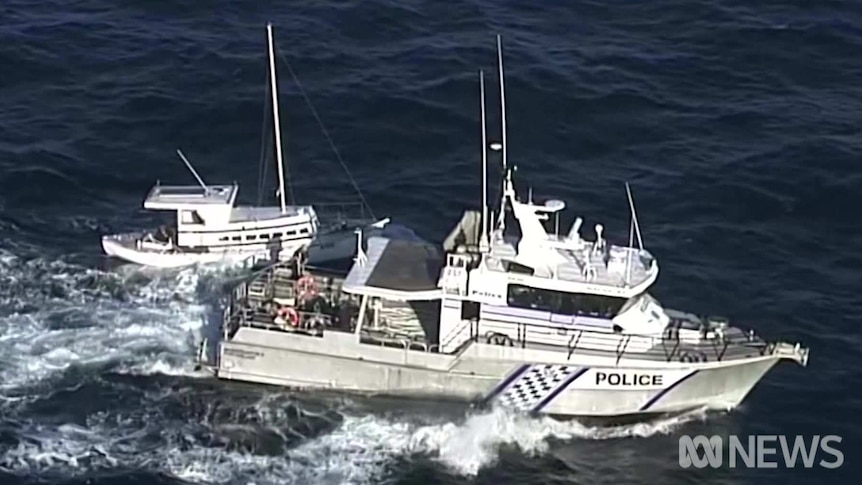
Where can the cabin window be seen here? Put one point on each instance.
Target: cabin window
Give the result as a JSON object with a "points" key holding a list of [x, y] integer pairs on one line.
{"points": [[264, 236], [236, 238], [190, 217], [224, 238], [250, 237], [290, 233], [513, 267], [276, 235], [521, 296], [304, 230], [563, 303]]}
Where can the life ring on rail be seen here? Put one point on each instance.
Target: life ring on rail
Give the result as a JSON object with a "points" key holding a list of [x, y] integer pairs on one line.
{"points": [[289, 315], [500, 339], [693, 357], [306, 286]]}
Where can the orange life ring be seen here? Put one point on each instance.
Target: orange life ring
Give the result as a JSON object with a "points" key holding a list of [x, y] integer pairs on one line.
{"points": [[289, 315], [306, 286]]}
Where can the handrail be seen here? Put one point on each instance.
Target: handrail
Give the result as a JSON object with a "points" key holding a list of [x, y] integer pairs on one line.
{"points": [[457, 332], [624, 344], [673, 351], [238, 316], [667, 346], [337, 204], [344, 210]]}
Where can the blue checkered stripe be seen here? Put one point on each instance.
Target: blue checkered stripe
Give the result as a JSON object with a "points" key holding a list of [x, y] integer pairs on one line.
{"points": [[532, 387]]}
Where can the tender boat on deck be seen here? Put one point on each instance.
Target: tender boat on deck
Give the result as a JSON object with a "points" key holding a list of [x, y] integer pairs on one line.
{"points": [[210, 228], [539, 322]]}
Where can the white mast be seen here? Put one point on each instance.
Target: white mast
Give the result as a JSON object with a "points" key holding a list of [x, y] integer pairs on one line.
{"points": [[502, 215], [634, 229], [274, 90], [631, 247], [502, 97], [483, 242], [634, 217]]}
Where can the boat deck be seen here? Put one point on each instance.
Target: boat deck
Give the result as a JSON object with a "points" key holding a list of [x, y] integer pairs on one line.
{"points": [[326, 308]]}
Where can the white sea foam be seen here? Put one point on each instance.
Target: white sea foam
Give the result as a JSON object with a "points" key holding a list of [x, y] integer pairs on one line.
{"points": [[360, 450], [55, 314]]}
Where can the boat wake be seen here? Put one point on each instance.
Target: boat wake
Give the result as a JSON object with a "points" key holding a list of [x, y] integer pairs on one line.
{"points": [[215, 433], [57, 316]]}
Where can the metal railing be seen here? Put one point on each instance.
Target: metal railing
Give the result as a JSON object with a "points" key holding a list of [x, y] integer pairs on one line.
{"points": [[312, 324], [404, 343], [333, 213], [238, 313], [666, 347], [309, 322]]}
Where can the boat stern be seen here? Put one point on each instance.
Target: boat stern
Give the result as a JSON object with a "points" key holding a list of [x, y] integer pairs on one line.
{"points": [[118, 245], [131, 248]]}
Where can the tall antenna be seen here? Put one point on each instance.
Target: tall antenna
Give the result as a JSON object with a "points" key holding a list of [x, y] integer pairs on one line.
{"points": [[634, 216], [483, 242], [502, 215], [502, 97], [631, 246], [193, 171], [274, 90]]}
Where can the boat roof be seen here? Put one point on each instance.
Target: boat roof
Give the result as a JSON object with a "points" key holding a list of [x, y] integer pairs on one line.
{"points": [[567, 262], [617, 267], [182, 196], [397, 269]]}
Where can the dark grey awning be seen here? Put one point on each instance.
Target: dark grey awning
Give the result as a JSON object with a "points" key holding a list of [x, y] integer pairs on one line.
{"points": [[398, 269]]}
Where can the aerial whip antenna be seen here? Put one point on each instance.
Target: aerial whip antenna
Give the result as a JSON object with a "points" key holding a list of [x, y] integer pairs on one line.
{"points": [[483, 242], [634, 217], [506, 174], [193, 171]]}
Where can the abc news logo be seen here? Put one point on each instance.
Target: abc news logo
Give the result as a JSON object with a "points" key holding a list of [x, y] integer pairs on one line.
{"points": [[762, 451]]}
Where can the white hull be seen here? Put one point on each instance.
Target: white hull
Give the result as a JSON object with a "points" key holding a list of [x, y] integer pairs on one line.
{"points": [[327, 246], [119, 246], [523, 379]]}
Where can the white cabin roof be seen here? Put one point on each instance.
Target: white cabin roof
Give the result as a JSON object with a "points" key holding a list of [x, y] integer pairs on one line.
{"points": [[190, 196], [566, 262]]}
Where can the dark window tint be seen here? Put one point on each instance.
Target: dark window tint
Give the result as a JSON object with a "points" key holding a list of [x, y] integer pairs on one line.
{"points": [[563, 303]]}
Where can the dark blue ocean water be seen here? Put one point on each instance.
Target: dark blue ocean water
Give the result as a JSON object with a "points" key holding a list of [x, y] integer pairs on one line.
{"points": [[737, 124]]}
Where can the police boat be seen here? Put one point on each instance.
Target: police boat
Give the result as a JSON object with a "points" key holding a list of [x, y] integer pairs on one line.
{"points": [[538, 321]]}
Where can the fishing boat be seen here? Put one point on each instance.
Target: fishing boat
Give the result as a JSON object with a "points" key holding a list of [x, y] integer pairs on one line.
{"points": [[211, 228], [536, 321]]}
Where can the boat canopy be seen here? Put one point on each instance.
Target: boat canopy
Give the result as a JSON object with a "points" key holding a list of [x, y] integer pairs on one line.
{"points": [[396, 269]]}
